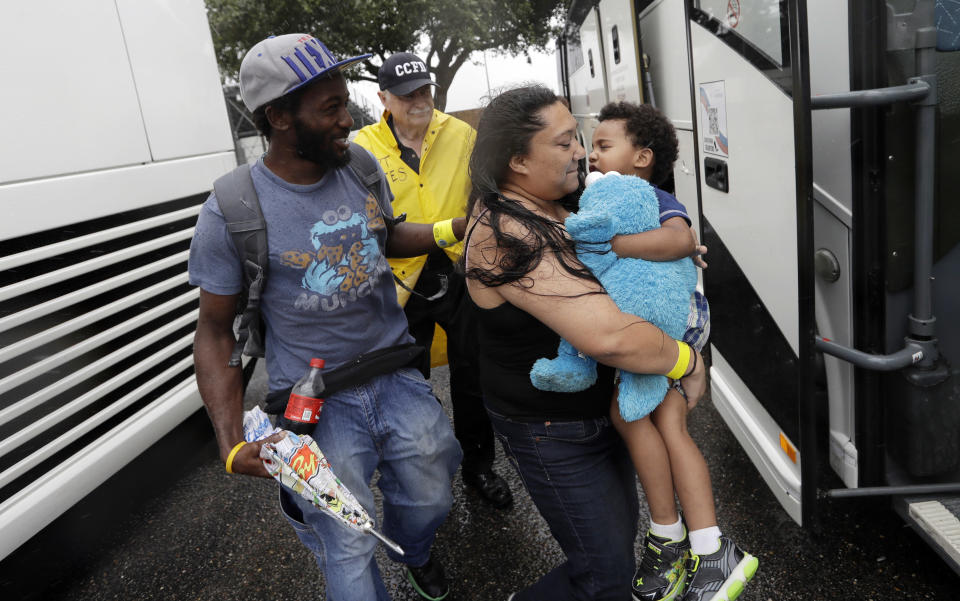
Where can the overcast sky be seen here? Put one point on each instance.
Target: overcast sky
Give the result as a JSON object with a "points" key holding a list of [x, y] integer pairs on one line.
{"points": [[470, 84]]}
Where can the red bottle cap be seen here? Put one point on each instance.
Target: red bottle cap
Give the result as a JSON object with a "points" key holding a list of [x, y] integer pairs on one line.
{"points": [[317, 363]]}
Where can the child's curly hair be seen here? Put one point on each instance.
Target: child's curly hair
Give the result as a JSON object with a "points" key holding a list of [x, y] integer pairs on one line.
{"points": [[647, 128]]}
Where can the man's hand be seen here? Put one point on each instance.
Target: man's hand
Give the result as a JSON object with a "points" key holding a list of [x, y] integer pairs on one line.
{"points": [[247, 460]]}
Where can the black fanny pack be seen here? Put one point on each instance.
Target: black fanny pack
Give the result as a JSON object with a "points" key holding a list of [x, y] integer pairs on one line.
{"points": [[356, 371]]}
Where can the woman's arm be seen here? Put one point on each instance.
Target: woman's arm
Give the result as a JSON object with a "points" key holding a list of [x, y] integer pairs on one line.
{"points": [[586, 316]]}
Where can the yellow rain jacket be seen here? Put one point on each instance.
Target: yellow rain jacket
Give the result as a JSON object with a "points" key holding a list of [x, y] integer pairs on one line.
{"points": [[438, 192]]}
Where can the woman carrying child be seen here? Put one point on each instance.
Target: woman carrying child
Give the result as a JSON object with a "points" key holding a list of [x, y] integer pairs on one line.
{"points": [[523, 275], [639, 140]]}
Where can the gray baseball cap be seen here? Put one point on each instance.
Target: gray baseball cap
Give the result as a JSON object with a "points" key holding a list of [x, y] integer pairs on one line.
{"points": [[280, 64]]}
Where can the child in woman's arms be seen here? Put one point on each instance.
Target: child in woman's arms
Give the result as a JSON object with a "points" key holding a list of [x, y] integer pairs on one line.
{"points": [[641, 141]]}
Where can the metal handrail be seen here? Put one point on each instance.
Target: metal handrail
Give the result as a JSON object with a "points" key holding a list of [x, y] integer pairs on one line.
{"points": [[912, 91], [884, 491], [910, 354]]}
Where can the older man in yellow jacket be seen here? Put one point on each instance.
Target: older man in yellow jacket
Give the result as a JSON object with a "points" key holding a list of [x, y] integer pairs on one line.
{"points": [[424, 154]]}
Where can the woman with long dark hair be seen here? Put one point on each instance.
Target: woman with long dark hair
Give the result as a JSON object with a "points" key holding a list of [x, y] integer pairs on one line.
{"points": [[530, 289]]}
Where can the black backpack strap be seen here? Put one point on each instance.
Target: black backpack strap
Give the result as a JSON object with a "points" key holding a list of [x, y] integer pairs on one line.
{"points": [[240, 206], [367, 169]]}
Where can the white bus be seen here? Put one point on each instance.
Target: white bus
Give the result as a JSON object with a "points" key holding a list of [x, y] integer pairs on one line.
{"points": [[831, 218], [113, 129]]}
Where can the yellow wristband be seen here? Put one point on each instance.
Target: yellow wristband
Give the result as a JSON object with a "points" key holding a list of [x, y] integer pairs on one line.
{"points": [[683, 361], [443, 233], [233, 453]]}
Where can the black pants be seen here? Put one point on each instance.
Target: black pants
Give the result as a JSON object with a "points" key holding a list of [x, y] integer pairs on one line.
{"points": [[454, 312]]}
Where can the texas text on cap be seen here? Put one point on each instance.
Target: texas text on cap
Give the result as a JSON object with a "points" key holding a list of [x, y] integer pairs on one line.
{"points": [[278, 65], [403, 73]]}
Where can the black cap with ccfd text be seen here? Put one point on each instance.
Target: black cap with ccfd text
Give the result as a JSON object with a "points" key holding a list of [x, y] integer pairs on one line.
{"points": [[403, 73]]}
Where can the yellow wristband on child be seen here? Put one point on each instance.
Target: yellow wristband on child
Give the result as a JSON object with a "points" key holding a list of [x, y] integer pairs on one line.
{"points": [[233, 453], [683, 361], [443, 233]]}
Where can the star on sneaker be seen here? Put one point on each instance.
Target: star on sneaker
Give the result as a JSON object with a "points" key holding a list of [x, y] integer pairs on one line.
{"points": [[662, 572]]}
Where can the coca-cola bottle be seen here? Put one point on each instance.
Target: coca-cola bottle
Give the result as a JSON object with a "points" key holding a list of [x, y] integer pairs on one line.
{"points": [[305, 402]]}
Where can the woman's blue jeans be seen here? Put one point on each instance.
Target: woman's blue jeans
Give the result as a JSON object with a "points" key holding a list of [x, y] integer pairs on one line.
{"points": [[392, 424], [580, 477]]}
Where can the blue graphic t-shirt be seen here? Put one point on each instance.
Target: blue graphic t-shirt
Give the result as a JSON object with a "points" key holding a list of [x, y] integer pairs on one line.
{"points": [[329, 291]]}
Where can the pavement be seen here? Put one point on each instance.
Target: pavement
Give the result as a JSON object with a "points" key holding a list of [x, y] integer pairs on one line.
{"points": [[211, 536]]}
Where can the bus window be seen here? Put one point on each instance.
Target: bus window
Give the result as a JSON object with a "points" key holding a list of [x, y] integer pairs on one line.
{"points": [[759, 22], [616, 45]]}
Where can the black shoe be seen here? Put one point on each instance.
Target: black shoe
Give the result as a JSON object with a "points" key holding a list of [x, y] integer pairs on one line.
{"points": [[492, 488], [428, 580], [662, 573]]}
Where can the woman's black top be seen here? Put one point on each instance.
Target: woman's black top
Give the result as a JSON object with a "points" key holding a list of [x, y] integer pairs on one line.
{"points": [[510, 341]]}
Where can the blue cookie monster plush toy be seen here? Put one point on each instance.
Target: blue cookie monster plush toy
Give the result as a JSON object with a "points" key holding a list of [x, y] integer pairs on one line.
{"points": [[658, 292]]}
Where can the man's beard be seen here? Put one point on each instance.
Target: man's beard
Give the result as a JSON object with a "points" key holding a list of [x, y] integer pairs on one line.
{"points": [[318, 148]]}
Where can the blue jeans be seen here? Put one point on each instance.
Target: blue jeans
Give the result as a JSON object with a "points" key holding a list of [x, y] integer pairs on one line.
{"points": [[580, 477], [392, 423]]}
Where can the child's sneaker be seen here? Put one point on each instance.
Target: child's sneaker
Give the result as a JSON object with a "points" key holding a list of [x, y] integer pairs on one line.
{"points": [[662, 572], [721, 575]]}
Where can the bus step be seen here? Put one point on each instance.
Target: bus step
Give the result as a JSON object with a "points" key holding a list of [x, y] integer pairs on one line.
{"points": [[939, 519]]}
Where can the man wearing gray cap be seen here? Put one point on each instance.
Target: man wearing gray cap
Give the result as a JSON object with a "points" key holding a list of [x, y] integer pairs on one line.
{"points": [[328, 294], [424, 153]]}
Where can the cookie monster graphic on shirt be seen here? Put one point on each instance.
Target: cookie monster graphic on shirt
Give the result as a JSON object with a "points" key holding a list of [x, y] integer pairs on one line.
{"points": [[345, 255]]}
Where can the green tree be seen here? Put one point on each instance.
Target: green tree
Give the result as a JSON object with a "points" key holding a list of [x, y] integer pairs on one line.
{"points": [[444, 32]]}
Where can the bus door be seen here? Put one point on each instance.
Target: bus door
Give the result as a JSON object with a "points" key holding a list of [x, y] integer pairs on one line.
{"points": [[754, 224], [905, 243]]}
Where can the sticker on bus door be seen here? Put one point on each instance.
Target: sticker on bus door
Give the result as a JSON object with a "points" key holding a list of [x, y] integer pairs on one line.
{"points": [[713, 112]]}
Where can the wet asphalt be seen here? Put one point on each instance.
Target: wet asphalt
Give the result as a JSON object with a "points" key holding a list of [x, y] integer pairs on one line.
{"points": [[212, 536]]}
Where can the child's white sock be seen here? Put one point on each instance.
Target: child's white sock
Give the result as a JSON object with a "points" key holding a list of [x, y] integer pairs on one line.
{"points": [[668, 531], [705, 540]]}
